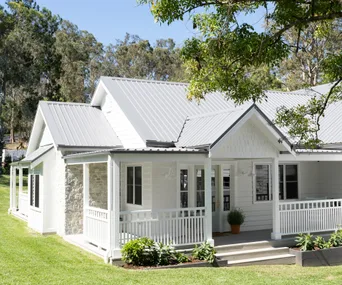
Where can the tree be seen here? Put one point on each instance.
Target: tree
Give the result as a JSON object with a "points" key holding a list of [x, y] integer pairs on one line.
{"points": [[303, 67], [27, 62], [227, 55], [78, 51], [134, 57], [131, 58]]}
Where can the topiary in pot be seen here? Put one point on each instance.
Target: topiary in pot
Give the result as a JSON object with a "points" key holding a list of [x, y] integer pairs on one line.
{"points": [[236, 218]]}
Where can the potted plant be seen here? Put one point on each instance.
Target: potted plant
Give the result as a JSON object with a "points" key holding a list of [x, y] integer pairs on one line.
{"points": [[236, 218]]}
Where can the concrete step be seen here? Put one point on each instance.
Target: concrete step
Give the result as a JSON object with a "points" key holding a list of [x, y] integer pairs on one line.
{"points": [[282, 259], [242, 246], [253, 253]]}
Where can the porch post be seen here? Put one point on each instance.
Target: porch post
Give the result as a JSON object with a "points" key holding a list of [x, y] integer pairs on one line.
{"points": [[85, 195], [20, 179], [275, 187], [208, 200], [11, 190], [113, 207], [14, 192]]}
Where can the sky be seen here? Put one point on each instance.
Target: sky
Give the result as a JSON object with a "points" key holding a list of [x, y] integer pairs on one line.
{"points": [[109, 20]]}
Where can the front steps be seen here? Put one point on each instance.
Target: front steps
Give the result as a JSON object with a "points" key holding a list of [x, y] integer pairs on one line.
{"points": [[254, 253]]}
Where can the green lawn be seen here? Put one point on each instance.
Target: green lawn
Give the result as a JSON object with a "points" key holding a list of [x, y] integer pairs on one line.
{"points": [[29, 258]]}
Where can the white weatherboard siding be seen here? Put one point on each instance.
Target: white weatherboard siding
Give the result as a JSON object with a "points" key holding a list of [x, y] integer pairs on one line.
{"points": [[164, 178], [146, 187], [122, 126], [330, 180], [60, 187], [44, 219], [46, 137], [35, 215], [309, 178], [49, 192], [247, 142], [258, 214]]}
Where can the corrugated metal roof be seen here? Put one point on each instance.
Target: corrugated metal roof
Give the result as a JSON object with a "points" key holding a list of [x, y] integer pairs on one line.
{"points": [[138, 150], [37, 153], [207, 128], [158, 110], [78, 125], [315, 151]]}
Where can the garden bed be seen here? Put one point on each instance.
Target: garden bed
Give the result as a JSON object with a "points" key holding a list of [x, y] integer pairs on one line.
{"points": [[320, 257], [192, 264]]}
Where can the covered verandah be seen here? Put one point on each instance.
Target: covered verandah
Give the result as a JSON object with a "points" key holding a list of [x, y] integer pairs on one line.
{"points": [[111, 223], [318, 208]]}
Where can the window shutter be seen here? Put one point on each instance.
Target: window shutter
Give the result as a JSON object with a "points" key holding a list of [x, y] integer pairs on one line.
{"points": [[36, 191], [31, 189]]}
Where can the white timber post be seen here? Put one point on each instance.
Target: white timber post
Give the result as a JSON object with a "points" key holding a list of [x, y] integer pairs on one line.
{"points": [[14, 181], [276, 234], [115, 209], [109, 207], [20, 179], [11, 190], [85, 195], [208, 200]]}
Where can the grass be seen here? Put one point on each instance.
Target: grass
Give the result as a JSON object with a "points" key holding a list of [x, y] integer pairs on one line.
{"points": [[29, 258]]}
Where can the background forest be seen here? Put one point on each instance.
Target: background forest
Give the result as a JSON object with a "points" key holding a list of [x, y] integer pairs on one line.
{"points": [[43, 57]]}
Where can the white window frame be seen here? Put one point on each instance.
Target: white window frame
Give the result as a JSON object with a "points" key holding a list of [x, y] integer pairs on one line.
{"points": [[32, 191], [195, 184], [269, 182], [179, 186], [284, 181], [142, 188]]}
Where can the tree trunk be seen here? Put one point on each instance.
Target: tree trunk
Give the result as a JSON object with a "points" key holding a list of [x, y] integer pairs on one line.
{"points": [[12, 135]]}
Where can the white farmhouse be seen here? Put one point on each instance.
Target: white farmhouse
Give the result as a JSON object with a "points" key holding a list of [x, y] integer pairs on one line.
{"points": [[142, 160]]}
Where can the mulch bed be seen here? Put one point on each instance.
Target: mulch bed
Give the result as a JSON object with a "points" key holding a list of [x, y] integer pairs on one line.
{"points": [[130, 266]]}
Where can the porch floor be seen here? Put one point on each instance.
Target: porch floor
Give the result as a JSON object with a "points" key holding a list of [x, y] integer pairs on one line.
{"points": [[243, 237], [78, 240]]}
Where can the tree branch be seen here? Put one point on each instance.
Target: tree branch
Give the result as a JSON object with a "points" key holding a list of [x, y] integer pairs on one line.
{"points": [[325, 104]]}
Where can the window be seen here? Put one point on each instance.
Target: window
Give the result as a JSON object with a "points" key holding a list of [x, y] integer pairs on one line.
{"points": [[134, 185], [184, 188], [34, 185], [213, 190], [263, 182], [226, 189], [288, 181], [200, 188]]}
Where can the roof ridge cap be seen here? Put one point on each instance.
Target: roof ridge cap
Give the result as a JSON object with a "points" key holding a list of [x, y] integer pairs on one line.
{"points": [[146, 80], [65, 103], [295, 93]]}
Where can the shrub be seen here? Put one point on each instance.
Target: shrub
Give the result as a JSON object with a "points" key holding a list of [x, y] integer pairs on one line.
{"points": [[141, 251], [236, 217], [321, 243], [204, 252], [336, 238], [181, 257], [146, 252], [305, 242]]}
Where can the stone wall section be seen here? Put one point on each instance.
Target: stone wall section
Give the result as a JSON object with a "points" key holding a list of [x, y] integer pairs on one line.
{"points": [[74, 200], [98, 185]]}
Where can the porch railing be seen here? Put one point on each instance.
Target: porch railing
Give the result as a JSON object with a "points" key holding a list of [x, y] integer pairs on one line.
{"points": [[23, 203], [96, 226], [310, 216], [171, 226]]}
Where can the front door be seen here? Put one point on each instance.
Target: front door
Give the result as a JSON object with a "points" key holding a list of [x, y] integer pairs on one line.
{"points": [[226, 196], [220, 197], [221, 194], [215, 198]]}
